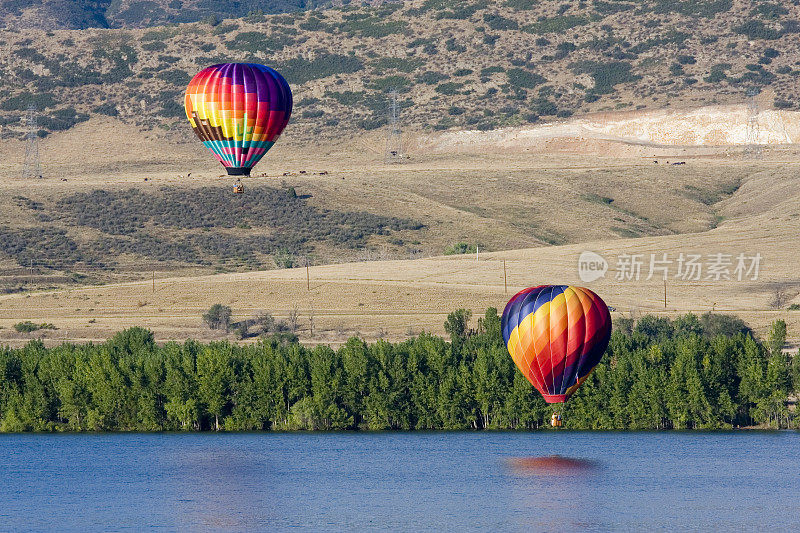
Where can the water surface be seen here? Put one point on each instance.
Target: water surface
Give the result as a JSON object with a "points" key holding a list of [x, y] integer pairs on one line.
{"points": [[544, 481]]}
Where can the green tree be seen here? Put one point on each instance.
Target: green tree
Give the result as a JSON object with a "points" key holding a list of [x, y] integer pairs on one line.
{"points": [[214, 376], [218, 317], [457, 324]]}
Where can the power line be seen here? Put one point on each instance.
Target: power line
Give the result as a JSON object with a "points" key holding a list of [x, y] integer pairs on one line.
{"points": [[753, 149]]}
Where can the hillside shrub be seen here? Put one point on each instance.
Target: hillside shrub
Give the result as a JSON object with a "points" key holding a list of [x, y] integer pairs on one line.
{"points": [[460, 248], [174, 77], [606, 75], [403, 64], [431, 77], [154, 46], [499, 22], [524, 78], [255, 42], [449, 88], [756, 30], [62, 119], [299, 70]]}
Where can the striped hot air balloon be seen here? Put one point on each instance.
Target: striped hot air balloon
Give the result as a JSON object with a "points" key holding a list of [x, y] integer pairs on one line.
{"points": [[238, 110], [556, 335]]}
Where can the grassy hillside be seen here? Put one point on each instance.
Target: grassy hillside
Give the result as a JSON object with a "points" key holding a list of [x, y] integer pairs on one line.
{"points": [[476, 65]]}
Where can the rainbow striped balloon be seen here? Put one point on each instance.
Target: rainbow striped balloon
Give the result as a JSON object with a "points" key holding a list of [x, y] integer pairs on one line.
{"points": [[238, 110], [556, 335]]}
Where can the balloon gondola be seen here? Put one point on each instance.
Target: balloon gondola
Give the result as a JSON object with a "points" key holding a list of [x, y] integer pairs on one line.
{"points": [[556, 335], [238, 111]]}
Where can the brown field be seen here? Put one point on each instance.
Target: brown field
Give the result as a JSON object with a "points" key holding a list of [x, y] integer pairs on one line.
{"points": [[513, 202]]}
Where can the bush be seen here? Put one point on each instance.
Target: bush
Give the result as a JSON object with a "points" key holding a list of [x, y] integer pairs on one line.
{"points": [[63, 119], [107, 109], [175, 77], [284, 259], [524, 78], [389, 83], [21, 101], [460, 248], [770, 11], [498, 22], [218, 317], [431, 78], [29, 327], [254, 42], [756, 29], [459, 11], [544, 107], [717, 73], [299, 70], [449, 88], [154, 46], [606, 75], [348, 98]]}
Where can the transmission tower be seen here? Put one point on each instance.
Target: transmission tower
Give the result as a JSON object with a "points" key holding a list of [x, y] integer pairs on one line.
{"points": [[31, 167], [394, 140], [752, 149]]}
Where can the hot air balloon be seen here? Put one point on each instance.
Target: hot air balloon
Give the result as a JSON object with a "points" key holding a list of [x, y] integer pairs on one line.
{"points": [[556, 335], [238, 110]]}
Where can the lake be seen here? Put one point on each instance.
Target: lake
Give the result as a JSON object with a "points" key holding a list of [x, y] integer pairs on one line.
{"points": [[402, 481]]}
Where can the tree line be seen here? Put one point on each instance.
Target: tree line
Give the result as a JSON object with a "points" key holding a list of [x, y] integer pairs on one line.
{"points": [[693, 372]]}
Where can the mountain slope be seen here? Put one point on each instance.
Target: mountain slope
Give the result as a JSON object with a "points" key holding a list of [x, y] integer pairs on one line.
{"points": [[83, 14], [480, 65]]}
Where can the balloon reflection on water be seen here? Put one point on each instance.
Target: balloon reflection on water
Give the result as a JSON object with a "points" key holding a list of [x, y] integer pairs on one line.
{"points": [[545, 491], [552, 465]]}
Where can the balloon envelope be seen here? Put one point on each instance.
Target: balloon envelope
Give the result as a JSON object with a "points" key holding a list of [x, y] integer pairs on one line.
{"points": [[238, 110], [556, 335]]}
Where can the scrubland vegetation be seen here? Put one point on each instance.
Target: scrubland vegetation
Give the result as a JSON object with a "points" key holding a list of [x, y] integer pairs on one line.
{"points": [[267, 226]]}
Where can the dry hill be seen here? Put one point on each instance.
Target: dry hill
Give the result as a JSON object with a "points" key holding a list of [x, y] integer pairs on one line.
{"points": [[477, 65]]}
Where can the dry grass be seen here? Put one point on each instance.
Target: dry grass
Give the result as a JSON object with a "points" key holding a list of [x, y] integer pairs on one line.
{"points": [[512, 200]]}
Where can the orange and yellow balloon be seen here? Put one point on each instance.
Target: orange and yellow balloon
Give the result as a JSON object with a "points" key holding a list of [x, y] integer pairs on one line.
{"points": [[556, 335]]}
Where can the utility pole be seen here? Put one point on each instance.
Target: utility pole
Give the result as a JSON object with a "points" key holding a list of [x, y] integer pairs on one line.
{"points": [[394, 140], [665, 293], [308, 277], [505, 277], [31, 167]]}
